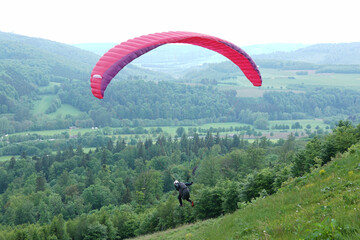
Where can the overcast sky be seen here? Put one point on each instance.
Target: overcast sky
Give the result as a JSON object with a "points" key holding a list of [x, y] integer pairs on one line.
{"points": [[240, 22]]}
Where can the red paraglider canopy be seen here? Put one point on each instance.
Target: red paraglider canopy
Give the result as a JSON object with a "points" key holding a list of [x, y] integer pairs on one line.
{"points": [[119, 56]]}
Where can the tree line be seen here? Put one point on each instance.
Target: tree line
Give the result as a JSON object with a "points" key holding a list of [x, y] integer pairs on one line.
{"points": [[140, 103]]}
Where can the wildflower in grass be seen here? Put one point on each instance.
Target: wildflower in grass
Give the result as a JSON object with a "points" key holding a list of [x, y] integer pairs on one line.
{"points": [[322, 171], [350, 173], [188, 236]]}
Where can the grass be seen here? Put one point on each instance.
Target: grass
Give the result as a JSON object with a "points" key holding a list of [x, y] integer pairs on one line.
{"points": [[57, 131], [43, 104], [279, 80], [6, 158], [324, 204]]}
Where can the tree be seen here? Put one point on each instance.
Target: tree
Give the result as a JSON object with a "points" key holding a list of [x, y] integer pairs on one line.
{"points": [[100, 116], [254, 157], [22, 113], [125, 221], [110, 145], [208, 172], [236, 141], [209, 140], [20, 210], [4, 180], [343, 136], [209, 202], [40, 183], [261, 123], [230, 196], [180, 131], [232, 164], [97, 196], [296, 126], [150, 184], [184, 144], [96, 231], [196, 143], [287, 150], [248, 191], [104, 219], [5, 127], [90, 178], [58, 229], [120, 145], [12, 163], [264, 181]]}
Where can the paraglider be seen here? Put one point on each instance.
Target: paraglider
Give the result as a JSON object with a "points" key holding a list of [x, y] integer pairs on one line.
{"points": [[184, 192], [121, 55]]}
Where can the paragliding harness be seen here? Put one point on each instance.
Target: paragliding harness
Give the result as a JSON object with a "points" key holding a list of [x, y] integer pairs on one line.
{"points": [[184, 192]]}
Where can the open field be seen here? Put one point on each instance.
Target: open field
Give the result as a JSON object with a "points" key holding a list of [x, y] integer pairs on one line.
{"points": [[279, 80], [171, 130], [43, 104], [282, 78], [6, 158]]}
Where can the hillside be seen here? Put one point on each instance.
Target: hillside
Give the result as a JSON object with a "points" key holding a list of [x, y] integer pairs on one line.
{"points": [[50, 47], [181, 51], [121, 190], [38, 62], [334, 54], [323, 204], [174, 59]]}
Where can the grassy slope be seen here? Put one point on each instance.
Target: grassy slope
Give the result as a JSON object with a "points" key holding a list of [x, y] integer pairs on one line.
{"points": [[322, 205], [42, 105]]}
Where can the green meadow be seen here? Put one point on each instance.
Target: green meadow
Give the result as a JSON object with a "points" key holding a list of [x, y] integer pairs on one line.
{"points": [[283, 80], [42, 105]]}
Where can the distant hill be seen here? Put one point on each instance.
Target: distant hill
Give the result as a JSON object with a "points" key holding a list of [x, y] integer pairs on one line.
{"points": [[327, 53], [59, 49], [181, 50], [176, 58], [272, 48], [28, 64], [97, 48]]}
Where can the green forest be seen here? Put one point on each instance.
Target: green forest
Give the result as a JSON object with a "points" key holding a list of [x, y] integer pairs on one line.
{"points": [[119, 191], [76, 167]]}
